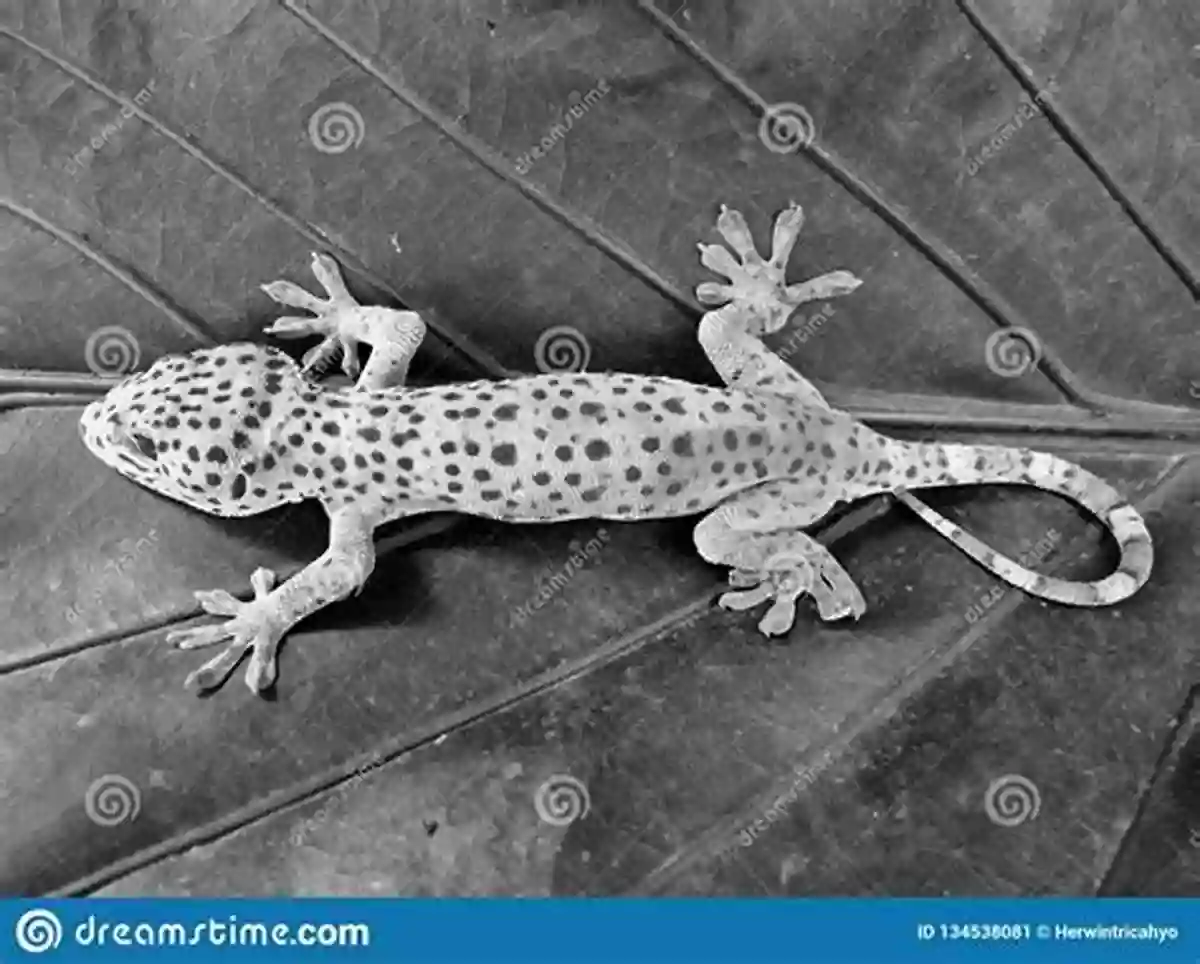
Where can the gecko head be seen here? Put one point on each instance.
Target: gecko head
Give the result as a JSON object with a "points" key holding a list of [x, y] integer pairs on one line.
{"points": [[207, 429]]}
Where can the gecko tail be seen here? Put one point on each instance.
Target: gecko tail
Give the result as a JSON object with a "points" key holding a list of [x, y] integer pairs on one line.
{"points": [[952, 464]]}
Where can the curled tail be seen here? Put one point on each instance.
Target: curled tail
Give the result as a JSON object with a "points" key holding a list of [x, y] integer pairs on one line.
{"points": [[949, 464]]}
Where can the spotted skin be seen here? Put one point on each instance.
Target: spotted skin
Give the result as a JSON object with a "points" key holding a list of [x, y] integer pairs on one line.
{"points": [[239, 429]]}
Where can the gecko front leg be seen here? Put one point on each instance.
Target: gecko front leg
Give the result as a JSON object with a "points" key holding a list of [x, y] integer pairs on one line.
{"points": [[344, 324], [260, 624]]}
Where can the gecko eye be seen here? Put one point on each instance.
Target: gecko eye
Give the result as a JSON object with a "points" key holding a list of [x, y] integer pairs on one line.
{"points": [[145, 446]]}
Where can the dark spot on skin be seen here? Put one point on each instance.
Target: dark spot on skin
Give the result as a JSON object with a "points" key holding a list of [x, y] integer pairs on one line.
{"points": [[490, 495], [506, 413], [319, 448], [559, 413], [650, 445], [718, 468], [720, 408], [378, 411], [212, 479], [755, 438], [300, 470], [642, 406], [471, 412], [539, 394], [911, 472], [564, 453], [674, 488], [682, 445], [593, 495], [238, 489], [664, 469], [193, 453], [369, 433], [731, 440], [827, 451], [597, 449], [471, 448], [541, 478], [505, 454], [675, 406], [739, 468], [483, 475], [405, 463], [591, 408], [633, 473], [360, 461], [216, 454], [296, 439], [572, 479]]}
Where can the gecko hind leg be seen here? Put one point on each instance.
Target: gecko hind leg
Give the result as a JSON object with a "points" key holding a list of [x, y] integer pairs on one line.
{"points": [[757, 301], [343, 324], [759, 533]]}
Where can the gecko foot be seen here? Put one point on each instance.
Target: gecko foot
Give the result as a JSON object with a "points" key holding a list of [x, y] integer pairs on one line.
{"points": [[756, 285], [785, 581], [334, 316], [252, 627]]}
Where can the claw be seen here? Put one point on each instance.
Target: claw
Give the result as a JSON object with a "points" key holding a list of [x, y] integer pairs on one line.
{"points": [[293, 296], [787, 230], [733, 228], [329, 277], [711, 293]]}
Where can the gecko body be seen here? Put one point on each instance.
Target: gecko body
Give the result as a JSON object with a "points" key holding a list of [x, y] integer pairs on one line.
{"points": [[238, 429]]}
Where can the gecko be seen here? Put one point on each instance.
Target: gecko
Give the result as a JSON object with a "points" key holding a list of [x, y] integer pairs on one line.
{"points": [[239, 429]]}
